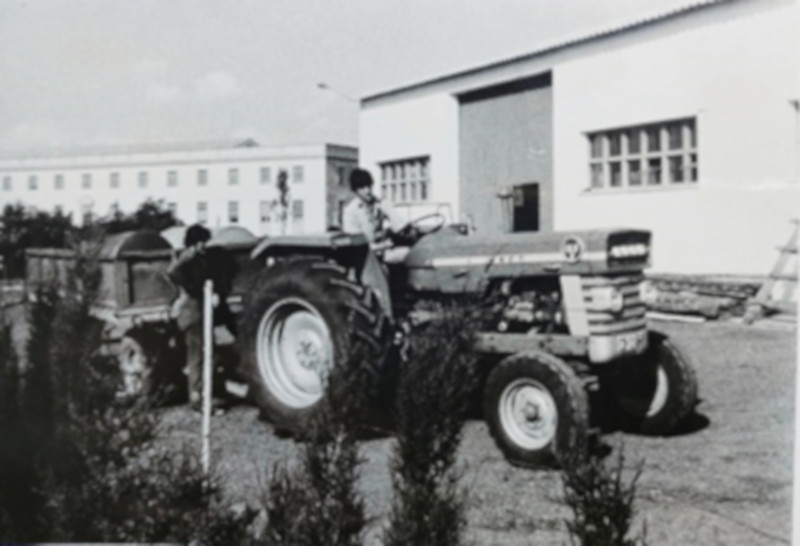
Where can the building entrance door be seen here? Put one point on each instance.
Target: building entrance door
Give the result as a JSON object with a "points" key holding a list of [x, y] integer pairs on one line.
{"points": [[526, 208]]}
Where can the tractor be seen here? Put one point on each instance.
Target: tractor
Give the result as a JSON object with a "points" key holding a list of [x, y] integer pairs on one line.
{"points": [[571, 333]]}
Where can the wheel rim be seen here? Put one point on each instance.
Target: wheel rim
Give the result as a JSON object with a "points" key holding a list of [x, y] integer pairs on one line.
{"points": [[295, 352], [528, 413], [133, 366], [661, 393]]}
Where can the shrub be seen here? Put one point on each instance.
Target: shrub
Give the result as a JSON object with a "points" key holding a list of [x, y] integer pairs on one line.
{"points": [[436, 379], [93, 470], [602, 503], [317, 502]]}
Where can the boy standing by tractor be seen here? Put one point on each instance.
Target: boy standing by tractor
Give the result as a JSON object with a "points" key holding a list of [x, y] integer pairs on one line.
{"points": [[196, 264]]}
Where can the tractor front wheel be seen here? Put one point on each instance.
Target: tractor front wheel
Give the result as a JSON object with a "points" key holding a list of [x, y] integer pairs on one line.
{"points": [[656, 391], [537, 409]]}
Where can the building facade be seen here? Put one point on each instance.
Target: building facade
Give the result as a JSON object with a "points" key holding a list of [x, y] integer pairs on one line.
{"points": [[213, 184], [686, 123]]}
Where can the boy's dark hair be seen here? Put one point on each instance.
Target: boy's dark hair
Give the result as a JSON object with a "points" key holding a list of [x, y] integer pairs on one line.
{"points": [[195, 234], [360, 178]]}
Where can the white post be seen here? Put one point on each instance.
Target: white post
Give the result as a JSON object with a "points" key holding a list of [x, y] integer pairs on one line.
{"points": [[208, 336]]}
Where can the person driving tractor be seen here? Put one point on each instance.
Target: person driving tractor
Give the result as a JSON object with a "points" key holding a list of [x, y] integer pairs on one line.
{"points": [[365, 213]]}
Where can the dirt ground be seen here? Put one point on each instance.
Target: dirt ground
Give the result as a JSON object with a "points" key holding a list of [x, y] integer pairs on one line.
{"points": [[726, 480]]}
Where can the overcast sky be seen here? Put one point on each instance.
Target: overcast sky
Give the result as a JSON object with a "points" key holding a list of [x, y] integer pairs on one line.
{"points": [[79, 73]]}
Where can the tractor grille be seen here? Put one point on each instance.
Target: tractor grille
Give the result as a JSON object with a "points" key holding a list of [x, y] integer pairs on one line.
{"points": [[632, 315]]}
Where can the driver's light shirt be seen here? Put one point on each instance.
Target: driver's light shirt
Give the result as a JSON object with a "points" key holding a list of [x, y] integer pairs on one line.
{"points": [[366, 218]]}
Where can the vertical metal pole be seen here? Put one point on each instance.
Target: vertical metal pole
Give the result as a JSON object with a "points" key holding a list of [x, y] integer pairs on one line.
{"points": [[208, 333]]}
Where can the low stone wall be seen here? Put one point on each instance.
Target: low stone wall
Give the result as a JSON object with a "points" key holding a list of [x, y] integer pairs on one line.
{"points": [[711, 297]]}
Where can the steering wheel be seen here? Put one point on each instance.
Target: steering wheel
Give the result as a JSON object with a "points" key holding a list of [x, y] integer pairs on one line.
{"points": [[412, 230]]}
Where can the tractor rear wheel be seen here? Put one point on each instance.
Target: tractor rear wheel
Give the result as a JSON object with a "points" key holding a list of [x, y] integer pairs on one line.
{"points": [[657, 391], [297, 319], [150, 366], [537, 409]]}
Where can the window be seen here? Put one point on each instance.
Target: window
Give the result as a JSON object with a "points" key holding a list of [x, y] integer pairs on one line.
{"points": [[297, 173], [264, 211], [233, 176], [297, 210], [86, 213], [406, 180], [651, 155], [342, 174], [33, 182], [113, 180], [172, 207], [202, 212], [265, 175], [6, 183], [172, 179], [233, 212], [58, 182], [142, 179], [202, 177], [86, 181]]}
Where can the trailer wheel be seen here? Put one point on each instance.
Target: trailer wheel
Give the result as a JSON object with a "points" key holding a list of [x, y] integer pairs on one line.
{"points": [[536, 409], [656, 392], [297, 319], [149, 366]]}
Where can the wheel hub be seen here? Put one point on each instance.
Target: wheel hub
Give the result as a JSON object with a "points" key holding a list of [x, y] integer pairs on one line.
{"points": [[528, 413], [294, 352]]}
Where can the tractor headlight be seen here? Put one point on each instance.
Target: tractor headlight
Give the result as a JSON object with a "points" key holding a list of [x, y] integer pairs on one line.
{"points": [[607, 298], [629, 251]]}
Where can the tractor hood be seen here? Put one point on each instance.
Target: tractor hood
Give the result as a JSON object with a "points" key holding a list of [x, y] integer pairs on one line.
{"points": [[444, 262]]}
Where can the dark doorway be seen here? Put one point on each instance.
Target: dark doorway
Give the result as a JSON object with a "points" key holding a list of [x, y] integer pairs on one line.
{"points": [[526, 207]]}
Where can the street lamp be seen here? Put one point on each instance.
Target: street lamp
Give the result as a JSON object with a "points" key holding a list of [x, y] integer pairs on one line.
{"points": [[325, 87]]}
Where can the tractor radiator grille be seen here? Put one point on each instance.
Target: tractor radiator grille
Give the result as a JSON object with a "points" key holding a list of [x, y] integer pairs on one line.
{"points": [[630, 318]]}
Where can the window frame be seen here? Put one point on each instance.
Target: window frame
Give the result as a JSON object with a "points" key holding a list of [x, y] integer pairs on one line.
{"points": [[647, 157], [406, 180]]}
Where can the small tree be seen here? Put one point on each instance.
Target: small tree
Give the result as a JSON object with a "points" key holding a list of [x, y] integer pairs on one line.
{"points": [[436, 379], [152, 215], [602, 503], [282, 202]]}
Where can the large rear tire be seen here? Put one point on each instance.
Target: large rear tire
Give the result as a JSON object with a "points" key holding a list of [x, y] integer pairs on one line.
{"points": [[537, 410], [297, 319], [657, 391], [150, 363]]}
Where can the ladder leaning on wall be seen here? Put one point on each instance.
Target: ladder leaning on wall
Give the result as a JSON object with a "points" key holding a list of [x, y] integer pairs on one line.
{"points": [[778, 294]]}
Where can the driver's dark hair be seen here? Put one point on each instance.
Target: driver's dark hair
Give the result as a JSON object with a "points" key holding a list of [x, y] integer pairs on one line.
{"points": [[360, 178], [195, 234]]}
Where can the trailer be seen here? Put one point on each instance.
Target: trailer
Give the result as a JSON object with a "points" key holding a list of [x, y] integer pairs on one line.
{"points": [[135, 296]]}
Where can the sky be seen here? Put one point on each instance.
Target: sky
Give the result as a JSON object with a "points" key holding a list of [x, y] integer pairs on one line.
{"points": [[89, 73]]}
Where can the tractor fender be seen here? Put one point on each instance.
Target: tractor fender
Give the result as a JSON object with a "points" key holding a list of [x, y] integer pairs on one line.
{"points": [[349, 250]]}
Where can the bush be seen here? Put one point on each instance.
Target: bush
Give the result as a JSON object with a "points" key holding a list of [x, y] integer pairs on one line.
{"points": [[88, 465], [602, 503], [436, 380], [317, 502]]}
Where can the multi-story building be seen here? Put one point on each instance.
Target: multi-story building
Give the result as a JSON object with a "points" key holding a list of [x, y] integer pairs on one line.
{"points": [[685, 122], [211, 183]]}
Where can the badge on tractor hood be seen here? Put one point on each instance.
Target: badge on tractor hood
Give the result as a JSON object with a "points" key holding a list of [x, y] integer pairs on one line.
{"points": [[572, 247]]}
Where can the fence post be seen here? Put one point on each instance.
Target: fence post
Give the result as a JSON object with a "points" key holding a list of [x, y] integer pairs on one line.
{"points": [[208, 338]]}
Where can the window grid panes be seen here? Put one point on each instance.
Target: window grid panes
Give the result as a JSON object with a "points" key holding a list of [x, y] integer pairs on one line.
{"points": [[6, 183], [233, 212], [202, 177], [113, 180], [58, 182], [233, 176], [142, 179], [653, 155], [406, 180], [297, 173], [86, 181], [265, 175], [297, 209], [33, 182], [172, 179], [202, 212]]}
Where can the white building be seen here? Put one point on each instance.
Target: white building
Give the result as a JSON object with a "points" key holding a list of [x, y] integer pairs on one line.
{"points": [[686, 123], [213, 184]]}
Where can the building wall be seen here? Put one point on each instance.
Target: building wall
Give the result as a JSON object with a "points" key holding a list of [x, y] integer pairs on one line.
{"points": [[731, 67], [733, 73], [253, 196], [426, 126]]}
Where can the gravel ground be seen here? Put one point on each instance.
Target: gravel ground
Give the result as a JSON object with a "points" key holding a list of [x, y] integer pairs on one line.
{"points": [[727, 480]]}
